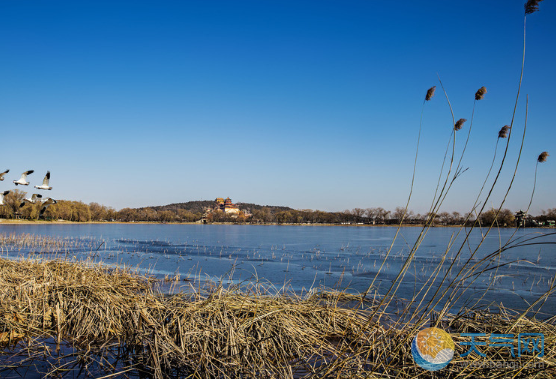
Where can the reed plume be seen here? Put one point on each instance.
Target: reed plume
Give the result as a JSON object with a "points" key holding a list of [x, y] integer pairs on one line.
{"points": [[430, 93], [532, 6], [480, 94], [459, 123], [542, 157], [503, 133]]}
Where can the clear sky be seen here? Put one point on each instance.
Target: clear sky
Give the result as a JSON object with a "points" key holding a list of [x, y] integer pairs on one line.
{"points": [[309, 104]]}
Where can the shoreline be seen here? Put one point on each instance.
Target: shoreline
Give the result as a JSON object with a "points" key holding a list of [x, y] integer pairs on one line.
{"points": [[64, 222]]}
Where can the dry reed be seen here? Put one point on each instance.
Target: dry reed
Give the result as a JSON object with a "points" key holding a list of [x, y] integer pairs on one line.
{"points": [[459, 123], [226, 333], [532, 6], [106, 313], [503, 133], [480, 94], [430, 93], [542, 157]]}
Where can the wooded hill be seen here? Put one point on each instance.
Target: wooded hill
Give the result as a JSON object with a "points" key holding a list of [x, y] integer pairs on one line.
{"points": [[200, 206]]}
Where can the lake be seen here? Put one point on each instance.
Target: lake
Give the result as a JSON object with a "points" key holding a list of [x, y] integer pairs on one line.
{"points": [[299, 258]]}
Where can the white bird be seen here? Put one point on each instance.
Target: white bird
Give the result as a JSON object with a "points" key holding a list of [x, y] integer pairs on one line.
{"points": [[3, 173], [23, 180], [45, 181], [46, 204], [31, 200], [2, 196]]}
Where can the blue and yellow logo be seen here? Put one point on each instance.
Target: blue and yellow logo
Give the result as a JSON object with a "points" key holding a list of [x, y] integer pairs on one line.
{"points": [[432, 349]]}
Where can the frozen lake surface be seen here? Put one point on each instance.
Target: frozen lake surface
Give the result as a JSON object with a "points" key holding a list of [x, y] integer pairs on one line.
{"points": [[305, 257]]}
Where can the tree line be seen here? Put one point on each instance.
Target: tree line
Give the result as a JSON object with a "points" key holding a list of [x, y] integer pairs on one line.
{"points": [[79, 211]]}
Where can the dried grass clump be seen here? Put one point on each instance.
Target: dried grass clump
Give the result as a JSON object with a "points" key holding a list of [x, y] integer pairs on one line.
{"points": [[390, 354], [480, 94], [117, 324], [229, 333], [500, 321], [542, 157], [35, 244]]}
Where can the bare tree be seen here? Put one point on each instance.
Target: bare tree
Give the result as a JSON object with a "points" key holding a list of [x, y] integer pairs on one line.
{"points": [[456, 218], [358, 214], [382, 214], [372, 213], [444, 218], [399, 214]]}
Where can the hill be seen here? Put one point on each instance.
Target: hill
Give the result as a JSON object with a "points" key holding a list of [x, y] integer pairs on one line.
{"points": [[255, 207], [199, 206]]}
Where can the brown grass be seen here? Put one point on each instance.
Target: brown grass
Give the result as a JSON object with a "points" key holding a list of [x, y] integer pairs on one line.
{"points": [[105, 314], [224, 333]]}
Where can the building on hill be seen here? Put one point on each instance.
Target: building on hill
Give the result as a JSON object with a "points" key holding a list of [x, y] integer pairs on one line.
{"points": [[224, 210], [228, 207]]}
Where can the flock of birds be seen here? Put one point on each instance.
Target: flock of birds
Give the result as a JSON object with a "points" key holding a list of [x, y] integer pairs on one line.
{"points": [[35, 198]]}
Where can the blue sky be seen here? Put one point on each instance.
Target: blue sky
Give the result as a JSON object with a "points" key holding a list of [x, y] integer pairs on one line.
{"points": [[309, 104]]}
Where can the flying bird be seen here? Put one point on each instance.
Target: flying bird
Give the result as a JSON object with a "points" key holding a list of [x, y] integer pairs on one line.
{"points": [[32, 200], [3, 173], [45, 181], [46, 204], [23, 180], [2, 196]]}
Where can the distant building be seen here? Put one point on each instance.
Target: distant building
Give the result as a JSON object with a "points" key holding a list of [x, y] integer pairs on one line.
{"points": [[520, 218], [229, 207], [225, 206]]}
